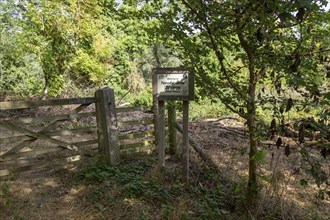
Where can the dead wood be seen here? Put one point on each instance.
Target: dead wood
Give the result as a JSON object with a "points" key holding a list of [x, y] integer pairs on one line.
{"points": [[198, 148]]}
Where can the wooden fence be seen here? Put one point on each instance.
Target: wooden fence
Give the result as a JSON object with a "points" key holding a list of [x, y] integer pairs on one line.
{"points": [[92, 126]]}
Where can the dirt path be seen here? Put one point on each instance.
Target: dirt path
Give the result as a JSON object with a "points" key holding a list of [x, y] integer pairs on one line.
{"points": [[42, 194]]}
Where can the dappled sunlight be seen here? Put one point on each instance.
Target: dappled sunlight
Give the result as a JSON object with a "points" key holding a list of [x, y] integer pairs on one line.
{"points": [[285, 181], [50, 182], [226, 142], [48, 192], [132, 201], [281, 177]]}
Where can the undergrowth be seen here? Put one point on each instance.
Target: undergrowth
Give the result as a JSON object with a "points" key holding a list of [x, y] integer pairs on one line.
{"points": [[162, 195], [138, 188]]}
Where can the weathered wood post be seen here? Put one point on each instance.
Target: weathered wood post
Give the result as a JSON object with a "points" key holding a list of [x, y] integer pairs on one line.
{"points": [[161, 134], [173, 84], [185, 142], [155, 113], [172, 140], [107, 126]]}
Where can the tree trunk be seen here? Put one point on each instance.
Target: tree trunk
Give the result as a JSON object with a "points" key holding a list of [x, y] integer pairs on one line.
{"points": [[252, 182], [252, 189], [156, 54]]}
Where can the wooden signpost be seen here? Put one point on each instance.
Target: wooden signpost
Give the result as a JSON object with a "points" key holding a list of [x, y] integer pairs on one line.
{"points": [[173, 84]]}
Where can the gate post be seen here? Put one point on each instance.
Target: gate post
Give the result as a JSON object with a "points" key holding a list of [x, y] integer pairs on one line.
{"points": [[107, 124]]}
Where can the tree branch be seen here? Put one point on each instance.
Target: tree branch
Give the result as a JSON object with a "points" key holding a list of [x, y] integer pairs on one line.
{"points": [[215, 47]]}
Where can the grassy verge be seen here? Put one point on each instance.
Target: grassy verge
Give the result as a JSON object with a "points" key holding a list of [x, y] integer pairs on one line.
{"points": [[136, 190]]}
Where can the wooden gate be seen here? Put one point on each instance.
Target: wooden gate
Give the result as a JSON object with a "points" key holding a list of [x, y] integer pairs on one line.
{"points": [[35, 131], [36, 134]]}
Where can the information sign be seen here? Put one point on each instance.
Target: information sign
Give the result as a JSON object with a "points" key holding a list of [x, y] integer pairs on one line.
{"points": [[173, 84]]}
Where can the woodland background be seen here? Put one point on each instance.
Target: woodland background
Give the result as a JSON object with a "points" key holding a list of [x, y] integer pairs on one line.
{"points": [[266, 61]]}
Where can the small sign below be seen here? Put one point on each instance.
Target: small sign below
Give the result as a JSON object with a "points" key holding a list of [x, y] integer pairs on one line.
{"points": [[173, 84]]}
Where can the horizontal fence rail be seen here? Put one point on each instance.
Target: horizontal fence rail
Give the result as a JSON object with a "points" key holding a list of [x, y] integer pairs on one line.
{"points": [[53, 163], [56, 137], [131, 139], [61, 132], [127, 109], [40, 103], [29, 120], [136, 135]]}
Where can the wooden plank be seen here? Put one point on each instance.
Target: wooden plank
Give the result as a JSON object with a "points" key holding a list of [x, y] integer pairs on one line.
{"points": [[137, 151], [127, 109], [28, 140], [36, 153], [86, 143], [136, 145], [80, 108], [185, 142], [52, 125], [61, 132], [161, 135], [55, 123], [14, 139], [107, 126], [39, 136], [132, 141], [136, 135], [50, 102], [52, 163], [76, 131], [135, 122], [18, 147], [112, 123], [29, 120], [32, 153], [100, 124], [155, 114]]}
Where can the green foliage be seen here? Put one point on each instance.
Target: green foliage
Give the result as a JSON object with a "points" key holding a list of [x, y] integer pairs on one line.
{"points": [[85, 43], [131, 177], [24, 79], [206, 108], [99, 172], [4, 190], [65, 39], [319, 175], [244, 51], [136, 49], [144, 98], [88, 68], [206, 198], [20, 73], [167, 211], [260, 157]]}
